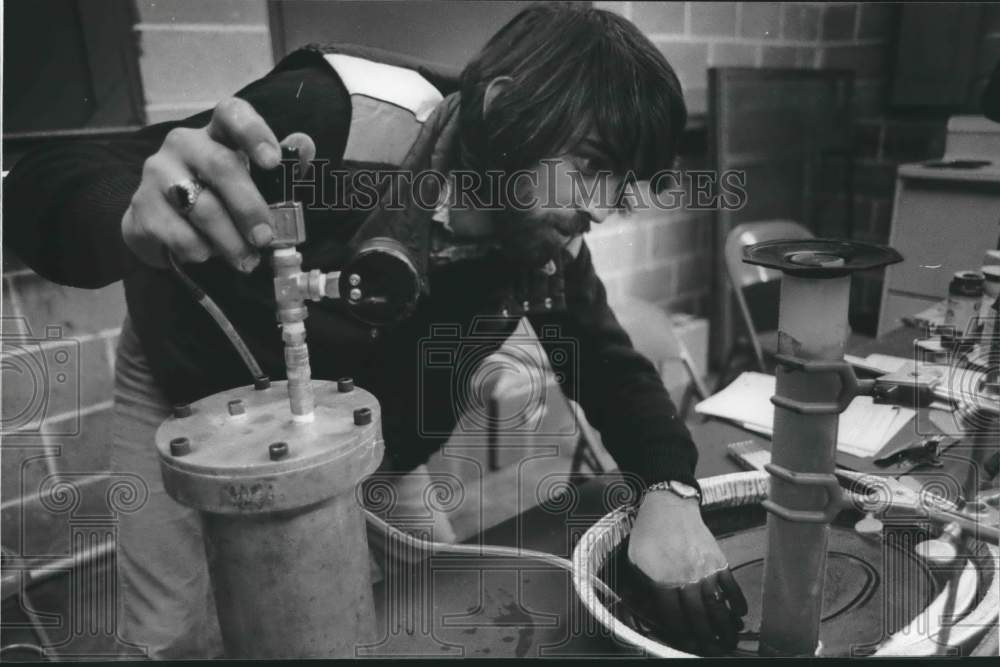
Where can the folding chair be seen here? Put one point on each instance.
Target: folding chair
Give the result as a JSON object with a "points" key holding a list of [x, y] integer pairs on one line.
{"points": [[756, 289]]}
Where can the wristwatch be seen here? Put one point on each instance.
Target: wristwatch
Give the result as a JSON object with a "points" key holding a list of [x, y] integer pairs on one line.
{"points": [[677, 488]]}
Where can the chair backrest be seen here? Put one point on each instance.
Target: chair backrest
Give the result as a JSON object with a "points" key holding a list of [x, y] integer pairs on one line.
{"points": [[755, 287], [748, 233]]}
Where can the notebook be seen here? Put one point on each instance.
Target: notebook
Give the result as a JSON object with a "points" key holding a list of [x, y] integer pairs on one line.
{"points": [[864, 428]]}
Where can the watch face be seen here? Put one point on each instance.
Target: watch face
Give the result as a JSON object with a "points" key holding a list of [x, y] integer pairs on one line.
{"points": [[684, 490]]}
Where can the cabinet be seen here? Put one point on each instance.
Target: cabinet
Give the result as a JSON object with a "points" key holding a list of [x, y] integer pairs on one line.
{"points": [[944, 219]]}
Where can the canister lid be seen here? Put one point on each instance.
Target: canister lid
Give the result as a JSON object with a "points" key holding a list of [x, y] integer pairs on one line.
{"points": [[966, 283], [257, 459]]}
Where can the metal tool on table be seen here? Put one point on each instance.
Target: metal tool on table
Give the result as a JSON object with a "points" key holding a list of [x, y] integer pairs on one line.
{"points": [[273, 466], [917, 385], [924, 451], [977, 517]]}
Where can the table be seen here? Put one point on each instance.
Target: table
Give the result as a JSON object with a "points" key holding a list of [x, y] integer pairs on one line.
{"points": [[489, 607]]}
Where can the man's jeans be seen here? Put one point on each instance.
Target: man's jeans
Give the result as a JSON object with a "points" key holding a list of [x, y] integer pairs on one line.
{"points": [[166, 604]]}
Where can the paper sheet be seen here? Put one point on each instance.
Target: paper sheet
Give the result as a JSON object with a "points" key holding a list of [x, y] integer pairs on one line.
{"points": [[878, 363], [864, 428], [886, 362]]}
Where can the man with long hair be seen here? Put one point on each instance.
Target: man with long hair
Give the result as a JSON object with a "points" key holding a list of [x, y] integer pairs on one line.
{"points": [[570, 100]]}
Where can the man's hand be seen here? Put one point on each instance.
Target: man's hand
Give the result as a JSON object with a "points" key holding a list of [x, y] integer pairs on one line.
{"points": [[229, 216], [695, 597]]}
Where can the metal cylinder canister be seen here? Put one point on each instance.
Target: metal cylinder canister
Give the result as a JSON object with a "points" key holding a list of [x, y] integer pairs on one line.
{"points": [[284, 534]]}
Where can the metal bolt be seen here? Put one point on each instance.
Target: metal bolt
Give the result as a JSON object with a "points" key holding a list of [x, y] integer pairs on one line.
{"points": [[362, 416], [944, 549], [263, 382], [180, 447], [277, 450], [236, 408], [345, 385], [355, 294], [182, 410], [354, 279], [869, 525]]}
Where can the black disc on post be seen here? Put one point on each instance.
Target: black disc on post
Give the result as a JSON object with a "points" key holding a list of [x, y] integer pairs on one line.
{"points": [[820, 258]]}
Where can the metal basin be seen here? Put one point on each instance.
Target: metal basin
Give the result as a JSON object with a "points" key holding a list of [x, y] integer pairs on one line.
{"points": [[880, 597]]}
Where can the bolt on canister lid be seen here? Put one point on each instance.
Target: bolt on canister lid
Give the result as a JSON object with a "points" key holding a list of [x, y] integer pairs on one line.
{"points": [[966, 283], [362, 416], [324, 458], [277, 450], [345, 385], [182, 410], [180, 446], [869, 525], [236, 408]]}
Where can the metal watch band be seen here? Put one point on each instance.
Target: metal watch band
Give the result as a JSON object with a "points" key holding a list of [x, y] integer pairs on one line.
{"points": [[669, 486]]}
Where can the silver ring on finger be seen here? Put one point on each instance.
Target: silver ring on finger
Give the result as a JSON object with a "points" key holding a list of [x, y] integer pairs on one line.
{"points": [[184, 194]]}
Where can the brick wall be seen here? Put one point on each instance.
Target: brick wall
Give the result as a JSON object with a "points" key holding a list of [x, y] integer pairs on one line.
{"points": [[58, 353], [59, 342], [666, 258], [193, 53]]}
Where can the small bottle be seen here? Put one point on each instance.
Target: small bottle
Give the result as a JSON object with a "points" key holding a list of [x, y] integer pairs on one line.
{"points": [[965, 292], [991, 290]]}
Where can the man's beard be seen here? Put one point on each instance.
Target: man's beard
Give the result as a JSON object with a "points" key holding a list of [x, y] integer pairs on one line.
{"points": [[532, 239]]}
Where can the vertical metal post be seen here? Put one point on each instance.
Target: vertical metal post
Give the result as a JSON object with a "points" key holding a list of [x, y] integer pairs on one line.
{"points": [[813, 385], [292, 584], [813, 326]]}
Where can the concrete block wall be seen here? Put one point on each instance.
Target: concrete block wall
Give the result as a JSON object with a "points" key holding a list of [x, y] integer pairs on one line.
{"points": [[58, 349], [663, 258], [194, 53], [667, 257], [58, 343]]}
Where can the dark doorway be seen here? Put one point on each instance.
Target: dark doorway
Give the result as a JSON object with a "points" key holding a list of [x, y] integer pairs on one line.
{"points": [[69, 64]]}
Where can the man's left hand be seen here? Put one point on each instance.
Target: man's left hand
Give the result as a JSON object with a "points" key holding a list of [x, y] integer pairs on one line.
{"points": [[695, 597]]}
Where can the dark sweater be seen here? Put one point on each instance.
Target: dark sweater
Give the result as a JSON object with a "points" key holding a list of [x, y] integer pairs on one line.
{"points": [[63, 210]]}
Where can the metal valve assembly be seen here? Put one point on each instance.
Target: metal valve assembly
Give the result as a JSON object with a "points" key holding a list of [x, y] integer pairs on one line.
{"points": [[273, 468]]}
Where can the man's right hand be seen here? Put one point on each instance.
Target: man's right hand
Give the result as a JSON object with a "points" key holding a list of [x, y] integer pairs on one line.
{"points": [[229, 217]]}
